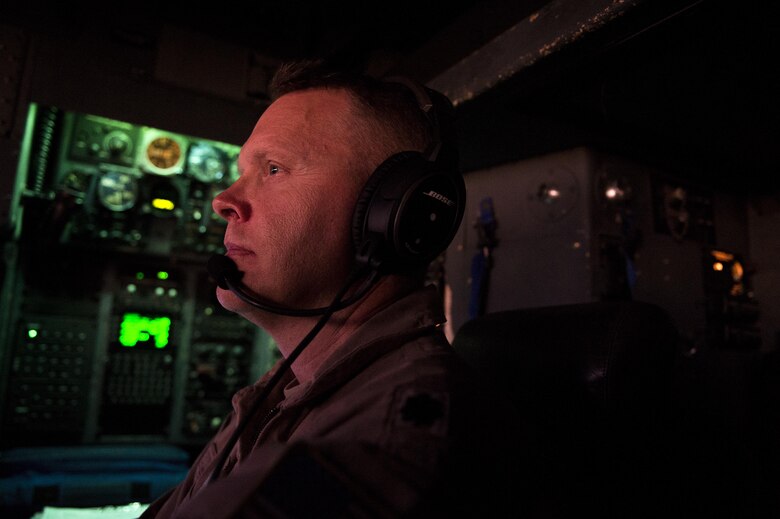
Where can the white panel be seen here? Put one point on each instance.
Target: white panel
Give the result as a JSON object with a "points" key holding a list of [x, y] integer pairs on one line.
{"points": [[543, 254]]}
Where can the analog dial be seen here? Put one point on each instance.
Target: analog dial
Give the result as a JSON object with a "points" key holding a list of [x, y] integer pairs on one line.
{"points": [[117, 191], [206, 163], [163, 152]]}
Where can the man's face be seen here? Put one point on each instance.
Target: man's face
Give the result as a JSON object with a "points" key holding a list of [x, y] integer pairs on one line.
{"points": [[289, 214]]}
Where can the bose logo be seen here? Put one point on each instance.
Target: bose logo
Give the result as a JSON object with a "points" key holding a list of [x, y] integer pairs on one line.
{"points": [[440, 197]]}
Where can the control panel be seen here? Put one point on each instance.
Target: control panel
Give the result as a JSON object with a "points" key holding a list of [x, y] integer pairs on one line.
{"points": [[107, 184], [49, 380], [224, 354], [115, 331], [144, 335]]}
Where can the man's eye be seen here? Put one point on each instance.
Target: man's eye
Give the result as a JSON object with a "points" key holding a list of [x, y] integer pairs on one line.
{"points": [[273, 169]]}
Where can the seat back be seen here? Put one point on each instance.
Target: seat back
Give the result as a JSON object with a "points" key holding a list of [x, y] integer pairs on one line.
{"points": [[592, 384]]}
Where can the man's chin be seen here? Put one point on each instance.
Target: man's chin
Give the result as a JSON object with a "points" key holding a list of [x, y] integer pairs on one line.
{"points": [[231, 302]]}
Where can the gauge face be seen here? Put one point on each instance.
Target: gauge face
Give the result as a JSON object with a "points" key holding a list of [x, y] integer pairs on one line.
{"points": [[163, 152], [206, 163], [117, 191]]}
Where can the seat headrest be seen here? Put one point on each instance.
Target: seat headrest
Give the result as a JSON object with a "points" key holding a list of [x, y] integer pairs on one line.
{"points": [[615, 357]]}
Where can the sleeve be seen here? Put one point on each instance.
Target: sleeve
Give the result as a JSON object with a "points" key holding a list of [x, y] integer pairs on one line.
{"points": [[300, 480]]}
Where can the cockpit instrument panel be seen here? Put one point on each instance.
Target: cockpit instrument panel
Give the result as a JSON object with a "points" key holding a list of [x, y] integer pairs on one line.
{"points": [[125, 186]]}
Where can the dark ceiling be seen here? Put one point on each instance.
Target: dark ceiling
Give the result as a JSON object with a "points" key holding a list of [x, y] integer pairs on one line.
{"points": [[690, 85], [693, 82], [418, 37]]}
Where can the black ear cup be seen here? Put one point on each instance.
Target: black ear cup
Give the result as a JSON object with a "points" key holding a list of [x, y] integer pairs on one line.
{"points": [[394, 162], [407, 213]]}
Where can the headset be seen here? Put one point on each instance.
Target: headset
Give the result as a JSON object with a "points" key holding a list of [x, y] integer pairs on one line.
{"points": [[412, 205], [406, 215]]}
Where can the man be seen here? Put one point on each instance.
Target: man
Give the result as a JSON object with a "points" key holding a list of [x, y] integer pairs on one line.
{"points": [[375, 416]]}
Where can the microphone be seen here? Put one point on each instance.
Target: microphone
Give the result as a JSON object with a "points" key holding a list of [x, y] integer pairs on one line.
{"points": [[227, 276], [221, 267]]}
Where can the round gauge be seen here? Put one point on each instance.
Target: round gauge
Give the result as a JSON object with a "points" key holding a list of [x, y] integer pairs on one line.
{"points": [[206, 163], [163, 152], [117, 191]]}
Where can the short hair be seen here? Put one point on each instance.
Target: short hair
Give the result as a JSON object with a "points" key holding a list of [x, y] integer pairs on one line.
{"points": [[394, 119], [390, 109]]}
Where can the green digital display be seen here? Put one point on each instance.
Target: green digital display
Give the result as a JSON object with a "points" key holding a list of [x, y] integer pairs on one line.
{"points": [[137, 328]]}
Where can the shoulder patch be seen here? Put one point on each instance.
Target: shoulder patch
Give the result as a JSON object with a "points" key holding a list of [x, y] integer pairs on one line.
{"points": [[422, 410]]}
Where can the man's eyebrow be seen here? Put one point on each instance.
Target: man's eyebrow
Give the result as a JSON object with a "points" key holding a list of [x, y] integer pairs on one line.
{"points": [[246, 159], [289, 151], [257, 156]]}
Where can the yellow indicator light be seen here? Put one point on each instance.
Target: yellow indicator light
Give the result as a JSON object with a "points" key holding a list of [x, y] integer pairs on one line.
{"points": [[717, 266], [162, 203]]}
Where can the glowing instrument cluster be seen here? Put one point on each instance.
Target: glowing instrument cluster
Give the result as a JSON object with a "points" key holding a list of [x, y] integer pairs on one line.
{"points": [[139, 187]]}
